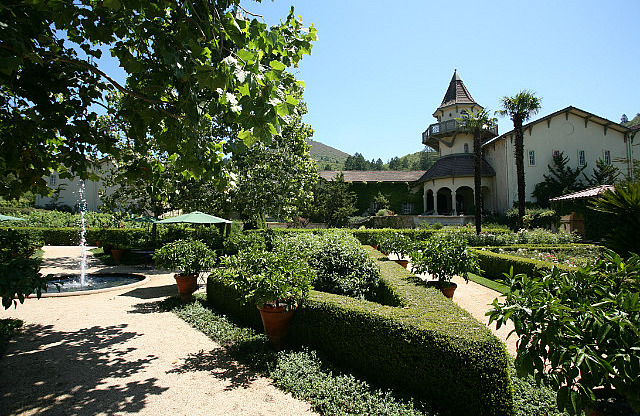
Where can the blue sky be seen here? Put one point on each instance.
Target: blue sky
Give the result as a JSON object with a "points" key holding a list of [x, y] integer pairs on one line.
{"points": [[380, 69]]}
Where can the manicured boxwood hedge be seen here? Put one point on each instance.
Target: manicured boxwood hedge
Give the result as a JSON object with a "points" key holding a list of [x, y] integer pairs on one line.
{"points": [[495, 265], [427, 346], [127, 237]]}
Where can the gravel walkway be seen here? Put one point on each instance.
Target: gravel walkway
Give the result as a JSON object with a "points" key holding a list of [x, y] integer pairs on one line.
{"points": [[113, 353]]}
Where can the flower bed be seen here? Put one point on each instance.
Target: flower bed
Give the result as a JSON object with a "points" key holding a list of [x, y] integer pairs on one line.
{"points": [[573, 255]]}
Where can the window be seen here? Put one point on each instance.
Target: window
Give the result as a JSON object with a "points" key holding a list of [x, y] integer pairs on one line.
{"points": [[53, 179], [607, 157], [556, 153], [466, 148], [532, 158], [581, 158], [407, 207]]}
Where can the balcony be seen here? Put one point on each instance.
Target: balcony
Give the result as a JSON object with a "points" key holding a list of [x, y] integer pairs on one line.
{"points": [[447, 128]]}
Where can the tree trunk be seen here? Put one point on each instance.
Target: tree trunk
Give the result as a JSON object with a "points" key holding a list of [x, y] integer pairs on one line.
{"points": [[477, 184], [519, 154]]}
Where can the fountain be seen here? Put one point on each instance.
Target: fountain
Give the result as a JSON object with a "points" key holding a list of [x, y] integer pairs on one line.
{"points": [[71, 284]]}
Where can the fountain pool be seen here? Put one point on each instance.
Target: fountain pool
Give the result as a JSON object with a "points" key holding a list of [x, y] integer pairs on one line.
{"points": [[95, 282]]}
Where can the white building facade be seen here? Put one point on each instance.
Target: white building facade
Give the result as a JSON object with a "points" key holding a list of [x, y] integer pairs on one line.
{"points": [[581, 136]]}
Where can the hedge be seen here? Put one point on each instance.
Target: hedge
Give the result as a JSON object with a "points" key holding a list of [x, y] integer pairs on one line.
{"points": [[495, 265], [128, 237], [427, 346]]}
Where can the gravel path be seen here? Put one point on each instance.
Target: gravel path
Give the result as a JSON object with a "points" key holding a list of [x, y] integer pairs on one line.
{"points": [[113, 353]]}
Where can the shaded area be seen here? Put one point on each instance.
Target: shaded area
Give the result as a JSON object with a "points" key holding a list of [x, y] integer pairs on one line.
{"points": [[152, 292], [218, 364], [71, 372]]}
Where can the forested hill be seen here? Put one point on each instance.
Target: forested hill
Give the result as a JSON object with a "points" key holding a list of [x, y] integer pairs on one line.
{"points": [[327, 157]]}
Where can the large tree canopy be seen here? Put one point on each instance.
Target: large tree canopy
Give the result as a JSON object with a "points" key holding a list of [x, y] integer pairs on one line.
{"points": [[192, 68]]}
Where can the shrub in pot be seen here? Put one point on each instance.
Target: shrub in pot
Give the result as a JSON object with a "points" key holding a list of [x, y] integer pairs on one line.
{"points": [[189, 258], [444, 256], [277, 282], [401, 245]]}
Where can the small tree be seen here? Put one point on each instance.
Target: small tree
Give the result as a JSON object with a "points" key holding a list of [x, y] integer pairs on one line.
{"points": [[335, 203], [603, 174], [561, 180]]}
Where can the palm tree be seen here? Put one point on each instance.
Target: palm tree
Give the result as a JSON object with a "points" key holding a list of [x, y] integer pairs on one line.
{"points": [[477, 124], [520, 108]]}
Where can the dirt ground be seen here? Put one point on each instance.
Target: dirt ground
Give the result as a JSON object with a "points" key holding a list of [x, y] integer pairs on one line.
{"points": [[114, 353]]}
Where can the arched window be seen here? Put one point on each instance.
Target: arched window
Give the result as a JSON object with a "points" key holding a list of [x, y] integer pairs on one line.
{"points": [[466, 148]]}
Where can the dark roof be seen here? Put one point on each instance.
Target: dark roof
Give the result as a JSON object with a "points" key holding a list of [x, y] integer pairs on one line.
{"points": [[373, 175], [457, 93], [456, 165], [587, 193], [593, 118]]}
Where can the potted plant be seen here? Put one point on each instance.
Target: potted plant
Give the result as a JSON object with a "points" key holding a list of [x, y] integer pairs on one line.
{"points": [[277, 282], [401, 245], [190, 258], [444, 256], [114, 242]]}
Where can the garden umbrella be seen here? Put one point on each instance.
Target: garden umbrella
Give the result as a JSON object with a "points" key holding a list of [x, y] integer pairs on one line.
{"points": [[10, 218], [195, 217]]}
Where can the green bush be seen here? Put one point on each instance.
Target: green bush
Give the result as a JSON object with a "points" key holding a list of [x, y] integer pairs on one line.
{"points": [[578, 329], [427, 346], [280, 278], [341, 265], [495, 265], [444, 257], [19, 242], [187, 256], [19, 278]]}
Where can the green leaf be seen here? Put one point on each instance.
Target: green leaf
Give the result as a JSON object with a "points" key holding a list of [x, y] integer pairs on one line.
{"points": [[247, 137], [277, 65]]}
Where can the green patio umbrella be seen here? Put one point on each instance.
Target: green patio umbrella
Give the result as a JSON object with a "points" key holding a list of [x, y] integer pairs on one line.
{"points": [[10, 218], [195, 217]]}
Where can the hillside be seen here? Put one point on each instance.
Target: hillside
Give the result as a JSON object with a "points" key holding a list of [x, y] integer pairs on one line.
{"points": [[327, 157]]}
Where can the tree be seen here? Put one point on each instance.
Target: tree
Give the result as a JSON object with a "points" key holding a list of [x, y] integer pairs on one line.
{"points": [[603, 174], [335, 203], [477, 124], [624, 119], [426, 160], [379, 165], [520, 108], [561, 180], [276, 178], [192, 67]]}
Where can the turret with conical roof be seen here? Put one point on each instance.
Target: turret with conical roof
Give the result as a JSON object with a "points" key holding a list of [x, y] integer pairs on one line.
{"points": [[457, 100], [456, 95]]}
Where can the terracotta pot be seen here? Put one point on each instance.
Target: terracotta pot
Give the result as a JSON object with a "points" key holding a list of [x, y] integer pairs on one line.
{"points": [[98, 243], [276, 322], [187, 284], [448, 290], [117, 255], [403, 263]]}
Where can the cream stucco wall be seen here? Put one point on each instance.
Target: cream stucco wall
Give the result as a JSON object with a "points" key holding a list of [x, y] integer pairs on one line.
{"points": [[564, 132], [70, 193]]}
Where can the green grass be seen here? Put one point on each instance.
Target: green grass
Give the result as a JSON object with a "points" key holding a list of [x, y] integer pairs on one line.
{"points": [[491, 284], [330, 391], [8, 328]]}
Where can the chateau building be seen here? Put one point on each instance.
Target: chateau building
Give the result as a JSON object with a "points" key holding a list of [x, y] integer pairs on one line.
{"points": [[581, 136]]}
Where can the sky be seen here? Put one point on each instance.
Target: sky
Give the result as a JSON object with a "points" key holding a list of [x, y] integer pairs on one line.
{"points": [[380, 69]]}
